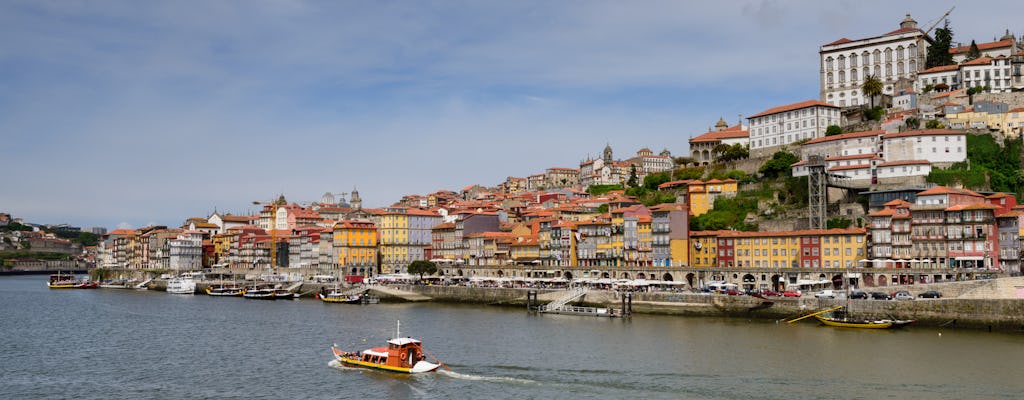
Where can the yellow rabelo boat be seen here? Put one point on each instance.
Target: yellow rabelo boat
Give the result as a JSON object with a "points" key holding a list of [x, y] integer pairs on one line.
{"points": [[62, 281], [839, 318], [403, 355]]}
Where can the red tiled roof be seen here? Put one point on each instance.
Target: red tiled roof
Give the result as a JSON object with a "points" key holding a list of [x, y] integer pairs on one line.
{"points": [[121, 232], [978, 61], [941, 68], [924, 132], [847, 167], [791, 107], [840, 41], [734, 132], [851, 135], [897, 202], [852, 157], [905, 162], [888, 212], [903, 30], [948, 94], [982, 46]]}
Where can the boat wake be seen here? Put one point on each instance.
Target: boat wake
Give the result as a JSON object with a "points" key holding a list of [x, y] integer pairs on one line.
{"points": [[338, 365], [469, 377]]}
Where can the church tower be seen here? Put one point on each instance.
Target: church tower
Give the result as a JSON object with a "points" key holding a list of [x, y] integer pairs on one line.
{"points": [[608, 154], [355, 201]]}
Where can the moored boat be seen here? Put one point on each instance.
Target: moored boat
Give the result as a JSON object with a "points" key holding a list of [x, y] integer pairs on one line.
{"points": [[225, 290], [839, 318], [61, 281], [259, 293], [181, 285], [403, 355], [339, 297]]}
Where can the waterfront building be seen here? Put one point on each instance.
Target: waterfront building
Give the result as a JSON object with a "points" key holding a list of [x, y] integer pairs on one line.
{"points": [[774, 128], [355, 244], [304, 248], [525, 250], [890, 57], [328, 256], [703, 147], [593, 243], [1009, 226], [670, 224], [489, 248], [405, 235], [116, 246], [563, 243], [185, 252]]}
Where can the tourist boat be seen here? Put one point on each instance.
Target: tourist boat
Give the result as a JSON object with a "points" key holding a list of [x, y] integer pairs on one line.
{"points": [[840, 318], [403, 355], [62, 281], [225, 290], [183, 284]]}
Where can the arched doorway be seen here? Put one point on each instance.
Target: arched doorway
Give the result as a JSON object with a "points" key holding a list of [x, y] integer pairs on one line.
{"points": [[748, 282], [567, 275], [776, 283], [459, 272], [625, 275], [605, 275], [882, 281], [837, 281], [667, 277], [689, 279], [501, 273], [868, 280], [641, 276]]}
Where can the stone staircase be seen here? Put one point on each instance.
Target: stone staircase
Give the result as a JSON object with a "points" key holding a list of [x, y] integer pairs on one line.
{"points": [[1001, 288]]}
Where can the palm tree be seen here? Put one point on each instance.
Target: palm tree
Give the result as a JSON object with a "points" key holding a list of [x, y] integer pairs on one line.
{"points": [[872, 87]]}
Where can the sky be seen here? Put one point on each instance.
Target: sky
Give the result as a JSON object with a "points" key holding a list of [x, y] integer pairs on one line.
{"points": [[128, 113]]}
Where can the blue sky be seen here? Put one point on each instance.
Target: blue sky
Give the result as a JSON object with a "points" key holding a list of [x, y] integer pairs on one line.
{"points": [[127, 113]]}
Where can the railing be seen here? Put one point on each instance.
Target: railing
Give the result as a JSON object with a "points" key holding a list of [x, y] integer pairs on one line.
{"points": [[573, 295]]}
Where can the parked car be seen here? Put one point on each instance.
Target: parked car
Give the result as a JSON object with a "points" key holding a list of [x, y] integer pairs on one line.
{"points": [[733, 292], [770, 293], [880, 296], [931, 294], [903, 295], [791, 293], [826, 294], [857, 294]]}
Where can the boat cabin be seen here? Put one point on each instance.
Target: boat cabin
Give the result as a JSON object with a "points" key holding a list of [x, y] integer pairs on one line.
{"points": [[401, 352]]}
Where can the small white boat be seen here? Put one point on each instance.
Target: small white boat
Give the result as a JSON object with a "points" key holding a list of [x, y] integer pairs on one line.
{"points": [[184, 284]]}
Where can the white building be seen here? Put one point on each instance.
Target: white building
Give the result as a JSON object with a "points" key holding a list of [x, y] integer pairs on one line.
{"points": [[186, 251], [1004, 47], [879, 157], [895, 55], [948, 75], [987, 71], [939, 146], [779, 126]]}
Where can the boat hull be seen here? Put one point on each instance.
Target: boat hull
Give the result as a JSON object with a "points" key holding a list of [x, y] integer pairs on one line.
{"points": [[420, 367], [863, 324]]}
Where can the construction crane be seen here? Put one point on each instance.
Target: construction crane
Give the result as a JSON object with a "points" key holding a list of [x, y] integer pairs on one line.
{"points": [[929, 30]]}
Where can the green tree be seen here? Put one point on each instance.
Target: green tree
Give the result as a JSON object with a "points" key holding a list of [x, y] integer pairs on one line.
{"points": [[633, 181], [833, 130], [974, 53], [688, 173], [422, 267], [684, 161], [938, 52], [913, 123], [731, 153], [652, 181], [597, 190], [872, 87], [779, 165], [933, 124]]}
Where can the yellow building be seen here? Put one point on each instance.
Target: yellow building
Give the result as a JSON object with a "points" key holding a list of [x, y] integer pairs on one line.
{"points": [[356, 245], [525, 250], [701, 195], [222, 246], [644, 240], [704, 252], [404, 235]]}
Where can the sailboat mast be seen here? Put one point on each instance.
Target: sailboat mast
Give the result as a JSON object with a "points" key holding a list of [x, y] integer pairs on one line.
{"points": [[398, 329]]}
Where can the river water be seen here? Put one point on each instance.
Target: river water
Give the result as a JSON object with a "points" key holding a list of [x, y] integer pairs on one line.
{"points": [[109, 343]]}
